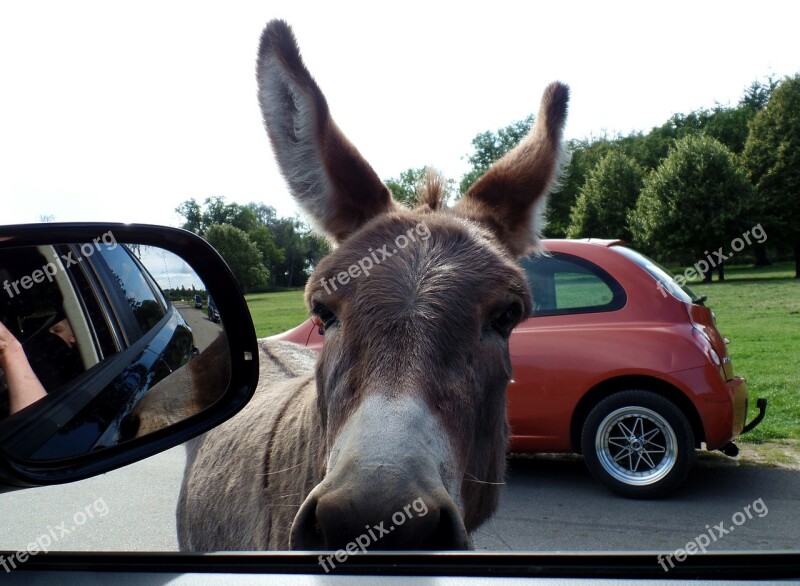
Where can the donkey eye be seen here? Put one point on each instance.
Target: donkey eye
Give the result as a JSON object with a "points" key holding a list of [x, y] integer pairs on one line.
{"points": [[506, 319], [323, 317]]}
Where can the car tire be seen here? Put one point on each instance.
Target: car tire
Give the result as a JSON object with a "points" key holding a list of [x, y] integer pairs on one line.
{"points": [[638, 443]]}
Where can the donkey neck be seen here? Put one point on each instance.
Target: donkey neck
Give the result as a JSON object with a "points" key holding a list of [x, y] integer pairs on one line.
{"points": [[295, 459]]}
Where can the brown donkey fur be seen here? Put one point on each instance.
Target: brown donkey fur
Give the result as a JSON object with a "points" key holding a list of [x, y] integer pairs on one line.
{"points": [[406, 401]]}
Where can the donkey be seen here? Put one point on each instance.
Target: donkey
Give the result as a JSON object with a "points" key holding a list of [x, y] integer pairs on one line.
{"points": [[396, 437]]}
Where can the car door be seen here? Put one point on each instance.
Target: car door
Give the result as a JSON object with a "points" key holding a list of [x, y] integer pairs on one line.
{"points": [[551, 352]]}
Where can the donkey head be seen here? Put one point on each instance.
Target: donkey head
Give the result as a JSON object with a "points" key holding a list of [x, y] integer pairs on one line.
{"points": [[417, 307]]}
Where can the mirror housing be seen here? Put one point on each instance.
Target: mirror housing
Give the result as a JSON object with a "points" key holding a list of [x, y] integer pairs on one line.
{"points": [[230, 306]]}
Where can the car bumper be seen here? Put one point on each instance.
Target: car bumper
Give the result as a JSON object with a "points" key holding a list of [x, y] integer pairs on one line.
{"points": [[721, 405], [737, 387]]}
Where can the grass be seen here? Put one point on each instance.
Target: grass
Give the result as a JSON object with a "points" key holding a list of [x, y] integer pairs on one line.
{"points": [[581, 290], [276, 312], [758, 309]]}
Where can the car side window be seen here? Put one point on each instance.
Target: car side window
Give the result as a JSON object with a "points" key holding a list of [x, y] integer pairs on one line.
{"points": [[124, 279], [565, 284]]}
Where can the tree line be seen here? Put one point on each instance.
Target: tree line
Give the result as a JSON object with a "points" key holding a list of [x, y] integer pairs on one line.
{"points": [[678, 192], [184, 294], [687, 187], [264, 251]]}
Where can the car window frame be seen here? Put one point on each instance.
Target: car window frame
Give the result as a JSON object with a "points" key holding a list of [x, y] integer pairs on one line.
{"points": [[128, 326], [618, 300], [95, 307]]}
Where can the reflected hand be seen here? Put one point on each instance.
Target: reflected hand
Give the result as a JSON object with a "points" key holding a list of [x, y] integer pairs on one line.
{"points": [[6, 339], [24, 387]]}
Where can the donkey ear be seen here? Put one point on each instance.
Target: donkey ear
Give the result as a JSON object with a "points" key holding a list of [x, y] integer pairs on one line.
{"points": [[325, 172], [511, 197]]}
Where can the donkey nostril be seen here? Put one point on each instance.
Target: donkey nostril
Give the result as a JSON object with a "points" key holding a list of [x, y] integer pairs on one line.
{"points": [[448, 533], [306, 533]]}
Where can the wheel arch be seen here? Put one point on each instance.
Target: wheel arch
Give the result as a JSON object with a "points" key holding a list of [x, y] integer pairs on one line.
{"points": [[633, 382]]}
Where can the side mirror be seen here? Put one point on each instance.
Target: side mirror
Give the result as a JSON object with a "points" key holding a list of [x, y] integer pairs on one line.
{"points": [[121, 362]]}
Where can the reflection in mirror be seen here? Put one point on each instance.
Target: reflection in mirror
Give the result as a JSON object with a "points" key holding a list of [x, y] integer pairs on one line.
{"points": [[100, 342], [187, 391]]}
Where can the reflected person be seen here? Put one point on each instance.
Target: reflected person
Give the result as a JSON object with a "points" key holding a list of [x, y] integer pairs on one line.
{"points": [[53, 353]]}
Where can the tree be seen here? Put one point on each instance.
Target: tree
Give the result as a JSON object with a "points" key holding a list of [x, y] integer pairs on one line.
{"points": [[772, 156], [729, 126], [241, 254], [755, 98], [287, 248], [302, 251], [583, 157], [191, 211], [757, 94], [606, 198], [271, 254], [264, 214], [215, 211], [218, 212], [690, 205]]}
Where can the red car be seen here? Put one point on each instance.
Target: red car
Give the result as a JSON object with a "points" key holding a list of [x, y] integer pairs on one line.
{"points": [[618, 363]]}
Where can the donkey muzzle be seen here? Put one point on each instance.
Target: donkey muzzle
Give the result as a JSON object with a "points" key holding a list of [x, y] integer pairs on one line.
{"points": [[366, 521]]}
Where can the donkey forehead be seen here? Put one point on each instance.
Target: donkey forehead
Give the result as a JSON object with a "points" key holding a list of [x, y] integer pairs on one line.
{"points": [[416, 258]]}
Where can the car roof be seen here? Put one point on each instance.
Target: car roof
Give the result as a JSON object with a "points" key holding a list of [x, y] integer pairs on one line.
{"points": [[606, 242]]}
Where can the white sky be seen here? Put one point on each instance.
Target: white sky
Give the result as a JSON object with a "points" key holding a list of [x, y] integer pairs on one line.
{"points": [[113, 113]]}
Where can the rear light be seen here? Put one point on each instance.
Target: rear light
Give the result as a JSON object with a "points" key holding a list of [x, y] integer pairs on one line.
{"points": [[705, 344]]}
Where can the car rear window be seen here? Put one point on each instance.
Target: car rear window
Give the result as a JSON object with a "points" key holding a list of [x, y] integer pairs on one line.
{"points": [[565, 284], [662, 276]]}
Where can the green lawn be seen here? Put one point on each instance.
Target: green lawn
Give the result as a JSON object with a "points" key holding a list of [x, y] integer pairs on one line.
{"points": [[276, 312], [757, 309]]}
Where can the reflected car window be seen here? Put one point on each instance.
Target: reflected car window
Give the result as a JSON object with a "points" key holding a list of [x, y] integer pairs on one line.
{"points": [[130, 284]]}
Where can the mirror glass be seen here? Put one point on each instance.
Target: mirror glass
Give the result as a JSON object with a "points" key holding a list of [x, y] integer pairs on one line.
{"points": [[102, 342]]}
